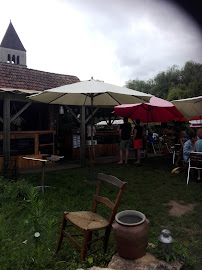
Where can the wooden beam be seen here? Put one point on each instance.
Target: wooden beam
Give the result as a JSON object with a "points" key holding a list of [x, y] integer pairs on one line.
{"points": [[15, 97], [71, 111], [87, 119], [21, 111]]}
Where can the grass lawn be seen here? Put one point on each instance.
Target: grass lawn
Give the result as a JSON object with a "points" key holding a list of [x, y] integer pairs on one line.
{"points": [[25, 211]]}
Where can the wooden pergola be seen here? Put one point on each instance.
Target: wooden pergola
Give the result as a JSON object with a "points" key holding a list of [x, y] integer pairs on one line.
{"points": [[8, 95]]}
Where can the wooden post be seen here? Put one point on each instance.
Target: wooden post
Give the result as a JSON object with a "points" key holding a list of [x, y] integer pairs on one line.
{"points": [[82, 137], [6, 131], [36, 143]]}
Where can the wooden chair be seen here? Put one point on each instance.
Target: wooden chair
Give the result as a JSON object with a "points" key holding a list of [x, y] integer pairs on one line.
{"points": [[194, 162], [166, 145], [90, 222]]}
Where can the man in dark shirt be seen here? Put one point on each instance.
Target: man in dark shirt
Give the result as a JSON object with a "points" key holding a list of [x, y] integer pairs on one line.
{"points": [[125, 134]]}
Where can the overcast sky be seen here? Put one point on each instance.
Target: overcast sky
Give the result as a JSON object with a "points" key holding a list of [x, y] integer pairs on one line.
{"points": [[111, 40]]}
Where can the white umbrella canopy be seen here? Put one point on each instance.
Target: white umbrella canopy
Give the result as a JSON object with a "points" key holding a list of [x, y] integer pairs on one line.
{"points": [[190, 108], [91, 93], [83, 93]]}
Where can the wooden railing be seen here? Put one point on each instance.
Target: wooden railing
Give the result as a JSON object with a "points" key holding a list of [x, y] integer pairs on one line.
{"points": [[25, 143]]}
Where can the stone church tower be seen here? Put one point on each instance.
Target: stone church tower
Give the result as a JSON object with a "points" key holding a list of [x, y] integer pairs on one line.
{"points": [[12, 52]]}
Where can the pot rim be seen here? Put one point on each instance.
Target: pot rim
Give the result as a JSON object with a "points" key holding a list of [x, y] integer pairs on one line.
{"points": [[133, 212]]}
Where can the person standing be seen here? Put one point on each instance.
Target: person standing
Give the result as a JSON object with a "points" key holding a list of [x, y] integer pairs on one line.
{"points": [[125, 134], [138, 139]]}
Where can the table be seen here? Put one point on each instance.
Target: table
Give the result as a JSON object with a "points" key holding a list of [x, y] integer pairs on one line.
{"points": [[43, 158]]}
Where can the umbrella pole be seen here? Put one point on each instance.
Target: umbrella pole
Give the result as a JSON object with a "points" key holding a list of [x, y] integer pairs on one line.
{"points": [[146, 146], [91, 162]]}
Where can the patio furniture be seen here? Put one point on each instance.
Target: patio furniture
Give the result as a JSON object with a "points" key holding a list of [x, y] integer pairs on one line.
{"points": [[176, 150], [165, 145], [194, 162], [90, 222], [156, 110], [43, 159], [157, 145], [93, 93]]}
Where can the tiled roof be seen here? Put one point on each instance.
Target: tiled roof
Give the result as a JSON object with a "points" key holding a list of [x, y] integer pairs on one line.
{"points": [[11, 39], [18, 77]]}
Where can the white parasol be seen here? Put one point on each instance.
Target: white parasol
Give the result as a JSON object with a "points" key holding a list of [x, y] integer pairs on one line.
{"points": [[190, 108], [91, 93]]}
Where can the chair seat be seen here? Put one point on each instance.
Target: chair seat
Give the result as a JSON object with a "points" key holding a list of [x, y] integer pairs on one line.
{"points": [[87, 220]]}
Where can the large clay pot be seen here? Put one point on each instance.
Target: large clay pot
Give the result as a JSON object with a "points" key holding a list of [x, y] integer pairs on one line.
{"points": [[131, 234]]}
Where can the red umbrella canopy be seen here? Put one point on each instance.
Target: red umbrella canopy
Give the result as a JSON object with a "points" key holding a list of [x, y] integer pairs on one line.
{"points": [[156, 110]]}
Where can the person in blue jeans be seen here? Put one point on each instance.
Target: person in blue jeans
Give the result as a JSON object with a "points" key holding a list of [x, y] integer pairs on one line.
{"points": [[150, 141]]}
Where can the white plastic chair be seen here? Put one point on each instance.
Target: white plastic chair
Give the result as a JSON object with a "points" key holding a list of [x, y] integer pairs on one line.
{"points": [[194, 162], [153, 147]]}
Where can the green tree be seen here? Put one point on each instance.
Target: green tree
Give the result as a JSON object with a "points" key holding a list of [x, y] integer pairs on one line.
{"points": [[174, 83], [140, 85], [176, 93]]}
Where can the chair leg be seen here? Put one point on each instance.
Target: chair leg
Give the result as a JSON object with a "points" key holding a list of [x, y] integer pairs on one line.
{"points": [[61, 234], [89, 239], [153, 148], [188, 174], [174, 157], [84, 247], [106, 239]]}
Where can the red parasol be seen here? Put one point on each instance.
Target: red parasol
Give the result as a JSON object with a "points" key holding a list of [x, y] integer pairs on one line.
{"points": [[156, 110]]}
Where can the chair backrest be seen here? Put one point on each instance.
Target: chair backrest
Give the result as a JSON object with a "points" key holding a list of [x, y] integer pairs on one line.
{"points": [[97, 198], [177, 147], [196, 159]]}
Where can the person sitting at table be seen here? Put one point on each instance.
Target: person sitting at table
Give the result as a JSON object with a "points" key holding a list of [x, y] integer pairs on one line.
{"points": [[182, 140], [198, 143], [198, 148], [188, 146]]}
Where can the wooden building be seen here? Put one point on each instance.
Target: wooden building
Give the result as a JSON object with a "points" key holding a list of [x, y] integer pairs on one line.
{"points": [[28, 127], [25, 127]]}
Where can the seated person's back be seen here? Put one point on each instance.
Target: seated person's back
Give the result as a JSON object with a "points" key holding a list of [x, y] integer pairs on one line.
{"points": [[188, 146], [198, 144]]}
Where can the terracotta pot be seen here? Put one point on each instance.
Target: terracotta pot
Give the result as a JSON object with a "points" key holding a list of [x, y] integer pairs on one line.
{"points": [[131, 234]]}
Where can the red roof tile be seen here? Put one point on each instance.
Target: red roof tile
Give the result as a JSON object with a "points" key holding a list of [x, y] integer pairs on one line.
{"points": [[18, 77]]}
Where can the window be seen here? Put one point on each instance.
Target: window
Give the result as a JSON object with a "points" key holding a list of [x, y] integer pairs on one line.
{"points": [[9, 58], [13, 59], [18, 60]]}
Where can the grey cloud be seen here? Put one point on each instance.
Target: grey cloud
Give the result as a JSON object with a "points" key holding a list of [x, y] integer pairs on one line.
{"points": [[172, 37]]}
